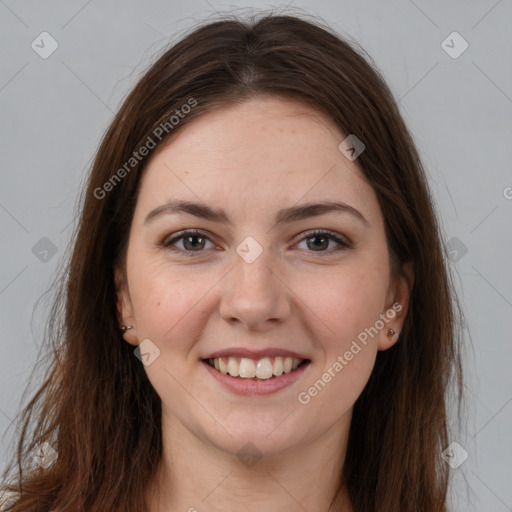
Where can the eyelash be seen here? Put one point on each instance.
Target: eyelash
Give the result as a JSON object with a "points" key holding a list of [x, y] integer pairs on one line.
{"points": [[344, 244]]}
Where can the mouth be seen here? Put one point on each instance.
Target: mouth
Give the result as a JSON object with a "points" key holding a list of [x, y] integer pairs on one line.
{"points": [[266, 368]]}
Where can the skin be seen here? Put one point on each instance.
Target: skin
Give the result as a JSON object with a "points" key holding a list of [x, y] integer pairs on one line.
{"points": [[300, 294]]}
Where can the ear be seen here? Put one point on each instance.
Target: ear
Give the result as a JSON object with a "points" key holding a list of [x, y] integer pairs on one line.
{"points": [[397, 306], [124, 308]]}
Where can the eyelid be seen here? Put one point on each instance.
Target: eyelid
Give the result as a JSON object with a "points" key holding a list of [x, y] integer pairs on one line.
{"points": [[168, 241], [337, 237], [342, 241]]}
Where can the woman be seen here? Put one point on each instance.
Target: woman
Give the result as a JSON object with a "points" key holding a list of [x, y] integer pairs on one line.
{"points": [[258, 308]]}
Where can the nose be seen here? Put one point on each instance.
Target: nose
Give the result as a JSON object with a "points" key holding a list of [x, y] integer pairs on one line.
{"points": [[254, 294]]}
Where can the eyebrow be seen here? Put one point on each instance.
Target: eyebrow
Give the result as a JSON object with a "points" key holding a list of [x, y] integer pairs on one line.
{"points": [[285, 215]]}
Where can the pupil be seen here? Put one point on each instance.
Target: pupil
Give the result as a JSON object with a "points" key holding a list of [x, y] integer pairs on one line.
{"points": [[319, 238], [188, 238]]}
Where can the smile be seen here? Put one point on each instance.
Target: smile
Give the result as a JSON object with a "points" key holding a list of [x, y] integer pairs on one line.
{"points": [[256, 369], [246, 376]]}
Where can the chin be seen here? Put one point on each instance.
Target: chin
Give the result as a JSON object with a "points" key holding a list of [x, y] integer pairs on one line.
{"points": [[254, 442]]}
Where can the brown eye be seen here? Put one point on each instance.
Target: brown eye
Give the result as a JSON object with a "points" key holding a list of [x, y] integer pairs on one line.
{"points": [[318, 241], [192, 241]]}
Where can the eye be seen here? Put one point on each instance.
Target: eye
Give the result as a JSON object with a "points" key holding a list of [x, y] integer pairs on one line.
{"points": [[324, 237], [193, 241]]}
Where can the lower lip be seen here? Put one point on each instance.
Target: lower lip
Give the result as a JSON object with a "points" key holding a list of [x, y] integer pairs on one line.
{"points": [[257, 387]]}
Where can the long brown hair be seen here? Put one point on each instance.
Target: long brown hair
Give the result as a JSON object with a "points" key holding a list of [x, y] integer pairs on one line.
{"points": [[97, 408]]}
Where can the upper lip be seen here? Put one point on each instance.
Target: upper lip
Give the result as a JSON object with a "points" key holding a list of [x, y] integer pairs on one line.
{"points": [[254, 354]]}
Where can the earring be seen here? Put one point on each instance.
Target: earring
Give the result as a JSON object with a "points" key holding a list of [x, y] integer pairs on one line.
{"points": [[393, 335], [125, 328]]}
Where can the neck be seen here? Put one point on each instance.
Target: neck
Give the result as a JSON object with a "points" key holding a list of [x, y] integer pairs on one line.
{"points": [[194, 475]]}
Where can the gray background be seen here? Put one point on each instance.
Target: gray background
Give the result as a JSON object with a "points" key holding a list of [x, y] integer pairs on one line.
{"points": [[55, 110]]}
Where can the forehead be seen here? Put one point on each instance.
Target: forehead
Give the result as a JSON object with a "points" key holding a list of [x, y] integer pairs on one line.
{"points": [[260, 155]]}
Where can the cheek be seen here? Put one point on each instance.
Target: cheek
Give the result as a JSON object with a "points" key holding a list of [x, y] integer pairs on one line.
{"points": [[345, 306], [168, 302], [345, 301]]}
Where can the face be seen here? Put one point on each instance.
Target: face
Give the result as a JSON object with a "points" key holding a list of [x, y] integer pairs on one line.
{"points": [[255, 280]]}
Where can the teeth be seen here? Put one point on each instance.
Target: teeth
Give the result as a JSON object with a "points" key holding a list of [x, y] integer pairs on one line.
{"points": [[278, 366], [223, 367], [263, 369], [233, 367], [247, 368]]}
